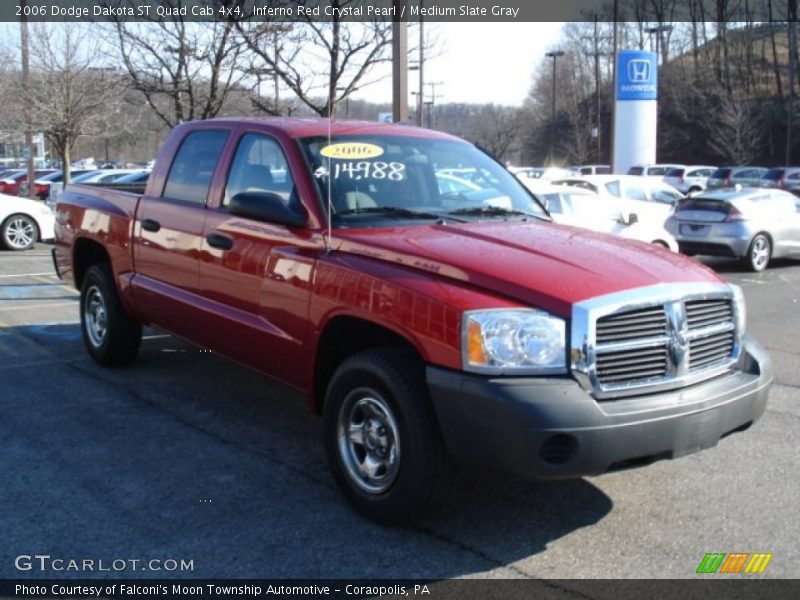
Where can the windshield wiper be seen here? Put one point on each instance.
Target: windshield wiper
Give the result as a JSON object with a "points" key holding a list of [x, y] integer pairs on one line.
{"points": [[493, 211], [389, 211]]}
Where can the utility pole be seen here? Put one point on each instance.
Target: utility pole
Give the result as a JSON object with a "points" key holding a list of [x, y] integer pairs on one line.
{"points": [[26, 89], [613, 88], [596, 54], [399, 65], [432, 102], [792, 76], [421, 65], [554, 55]]}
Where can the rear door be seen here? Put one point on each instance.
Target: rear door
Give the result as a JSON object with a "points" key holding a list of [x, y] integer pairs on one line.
{"points": [[168, 234], [258, 273]]}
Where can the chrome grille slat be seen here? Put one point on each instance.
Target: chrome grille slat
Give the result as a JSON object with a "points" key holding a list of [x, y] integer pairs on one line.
{"points": [[642, 376]]}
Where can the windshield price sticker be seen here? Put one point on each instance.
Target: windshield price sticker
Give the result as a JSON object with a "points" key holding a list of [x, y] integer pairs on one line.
{"points": [[378, 169], [351, 151]]}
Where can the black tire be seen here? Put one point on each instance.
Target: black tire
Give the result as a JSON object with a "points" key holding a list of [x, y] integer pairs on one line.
{"points": [[112, 338], [420, 479], [19, 232], [759, 253]]}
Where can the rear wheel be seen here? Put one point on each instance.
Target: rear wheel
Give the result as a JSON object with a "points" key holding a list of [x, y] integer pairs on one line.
{"points": [[759, 253], [382, 438], [19, 232], [110, 335]]}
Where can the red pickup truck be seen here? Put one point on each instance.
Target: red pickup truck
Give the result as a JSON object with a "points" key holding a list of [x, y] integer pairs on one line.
{"points": [[423, 300]]}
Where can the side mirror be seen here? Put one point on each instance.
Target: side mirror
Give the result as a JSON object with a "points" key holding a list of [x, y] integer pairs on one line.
{"points": [[633, 219], [265, 206]]}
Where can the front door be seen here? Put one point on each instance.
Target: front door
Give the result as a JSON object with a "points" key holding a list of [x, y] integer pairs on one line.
{"points": [[257, 273]]}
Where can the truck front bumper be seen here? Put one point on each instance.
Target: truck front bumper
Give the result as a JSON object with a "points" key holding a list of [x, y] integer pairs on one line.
{"points": [[552, 428]]}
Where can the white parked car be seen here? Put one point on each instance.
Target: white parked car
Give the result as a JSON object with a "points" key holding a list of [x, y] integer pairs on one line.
{"points": [[591, 170], [689, 180], [653, 171], [23, 222], [646, 196], [580, 207]]}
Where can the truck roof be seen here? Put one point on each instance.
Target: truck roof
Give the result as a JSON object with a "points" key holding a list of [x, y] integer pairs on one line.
{"points": [[300, 127]]}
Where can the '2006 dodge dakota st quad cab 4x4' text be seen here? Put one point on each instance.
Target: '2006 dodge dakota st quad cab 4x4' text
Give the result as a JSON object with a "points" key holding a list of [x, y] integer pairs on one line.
{"points": [[423, 300]]}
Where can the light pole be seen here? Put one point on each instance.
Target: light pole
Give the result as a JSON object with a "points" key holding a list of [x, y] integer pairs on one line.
{"points": [[346, 102], [554, 55], [657, 31]]}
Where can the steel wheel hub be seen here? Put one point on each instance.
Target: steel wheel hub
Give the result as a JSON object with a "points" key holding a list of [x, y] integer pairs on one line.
{"points": [[96, 317], [369, 444]]}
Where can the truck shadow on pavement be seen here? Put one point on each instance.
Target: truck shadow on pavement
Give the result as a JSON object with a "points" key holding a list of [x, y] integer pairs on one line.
{"points": [[186, 456]]}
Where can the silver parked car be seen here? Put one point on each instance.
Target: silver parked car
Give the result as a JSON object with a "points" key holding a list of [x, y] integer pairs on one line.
{"points": [[728, 177], [754, 224]]}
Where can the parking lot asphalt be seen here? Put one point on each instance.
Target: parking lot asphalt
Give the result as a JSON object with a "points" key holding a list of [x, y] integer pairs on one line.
{"points": [[186, 456]]}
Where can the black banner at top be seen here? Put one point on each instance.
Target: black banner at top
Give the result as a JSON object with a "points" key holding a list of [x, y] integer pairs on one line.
{"points": [[370, 10]]}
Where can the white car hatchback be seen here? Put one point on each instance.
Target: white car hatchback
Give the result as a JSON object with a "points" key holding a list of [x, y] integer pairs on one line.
{"points": [[23, 222], [579, 207], [689, 180]]}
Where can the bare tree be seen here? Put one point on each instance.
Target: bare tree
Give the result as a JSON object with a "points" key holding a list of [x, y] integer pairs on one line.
{"points": [[185, 70], [71, 94], [737, 134], [321, 63]]}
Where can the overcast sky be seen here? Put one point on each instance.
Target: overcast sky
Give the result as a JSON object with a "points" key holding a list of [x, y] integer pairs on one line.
{"points": [[479, 62], [474, 62]]}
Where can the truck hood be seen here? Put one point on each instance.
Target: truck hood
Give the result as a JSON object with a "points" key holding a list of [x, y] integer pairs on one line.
{"points": [[537, 263]]}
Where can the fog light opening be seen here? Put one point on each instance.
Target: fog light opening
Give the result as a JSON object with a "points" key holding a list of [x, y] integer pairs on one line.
{"points": [[558, 449]]}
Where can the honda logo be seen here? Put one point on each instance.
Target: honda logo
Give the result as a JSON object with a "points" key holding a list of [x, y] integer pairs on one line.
{"points": [[639, 71]]}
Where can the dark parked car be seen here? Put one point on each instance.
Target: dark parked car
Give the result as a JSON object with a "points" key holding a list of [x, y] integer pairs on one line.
{"points": [[12, 183], [42, 184], [783, 178], [726, 177]]}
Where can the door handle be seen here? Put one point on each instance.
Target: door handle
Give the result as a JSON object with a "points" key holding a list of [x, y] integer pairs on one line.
{"points": [[217, 240], [150, 225]]}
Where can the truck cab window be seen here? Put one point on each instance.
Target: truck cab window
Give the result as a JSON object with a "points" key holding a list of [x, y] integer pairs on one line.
{"points": [[193, 167], [259, 166]]}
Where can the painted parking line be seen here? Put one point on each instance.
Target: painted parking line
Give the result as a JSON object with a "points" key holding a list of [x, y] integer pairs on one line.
{"points": [[13, 275], [38, 291], [35, 306]]}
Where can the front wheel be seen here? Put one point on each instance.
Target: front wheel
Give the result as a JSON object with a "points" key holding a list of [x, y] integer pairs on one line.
{"points": [[19, 232], [382, 439], [110, 335], [759, 253]]}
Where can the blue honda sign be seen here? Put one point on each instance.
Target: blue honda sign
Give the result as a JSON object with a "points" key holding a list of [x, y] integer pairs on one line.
{"points": [[637, 75]]}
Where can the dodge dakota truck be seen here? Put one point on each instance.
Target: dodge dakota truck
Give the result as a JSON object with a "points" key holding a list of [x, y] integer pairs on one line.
{"points": [[422, 299]]}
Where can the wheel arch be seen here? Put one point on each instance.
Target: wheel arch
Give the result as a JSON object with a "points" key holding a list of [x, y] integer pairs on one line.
{"points": [[341, 337], [85, 253]]}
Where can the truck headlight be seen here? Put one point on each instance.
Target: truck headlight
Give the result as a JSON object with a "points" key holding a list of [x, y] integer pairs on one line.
{"points": [[739, 309], [513, 342]]}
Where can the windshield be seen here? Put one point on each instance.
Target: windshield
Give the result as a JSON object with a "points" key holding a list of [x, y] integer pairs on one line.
{"points": [[376, 180]]}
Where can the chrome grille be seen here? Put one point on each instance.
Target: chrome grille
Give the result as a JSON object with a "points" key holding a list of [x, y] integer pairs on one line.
{"points": [[661, 340]]}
